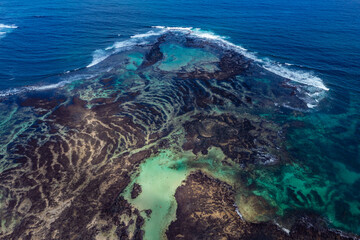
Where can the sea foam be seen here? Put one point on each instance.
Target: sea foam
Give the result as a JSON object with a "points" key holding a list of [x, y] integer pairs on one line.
{"points": [[295, 75], [4, 29], [313, 94], [315, 89], [45, 87], [100, 55], [20, 90], [12, 26]]}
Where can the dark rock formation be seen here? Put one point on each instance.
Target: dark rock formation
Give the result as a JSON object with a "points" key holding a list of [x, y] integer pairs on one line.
{"points": [[77, 158], [240, 139], [206, 210], [135, 191]]}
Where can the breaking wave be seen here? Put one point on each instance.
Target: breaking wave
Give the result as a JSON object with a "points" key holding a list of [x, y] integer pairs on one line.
{"points": [[4, 29], [100, 54], [60, 84], [299, 76], [295, 75], [314, 85]]}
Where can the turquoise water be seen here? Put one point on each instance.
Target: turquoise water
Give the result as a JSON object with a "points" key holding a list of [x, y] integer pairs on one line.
{"points": [[68, 47]]}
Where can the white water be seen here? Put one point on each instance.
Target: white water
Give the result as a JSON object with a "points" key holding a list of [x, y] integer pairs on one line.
{"points": [[4, 29], [299, 76], [7, 26], [315, 83], [295, 75], [60, 84]]}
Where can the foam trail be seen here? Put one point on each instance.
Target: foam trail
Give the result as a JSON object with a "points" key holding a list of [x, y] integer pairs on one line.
{"points": [[14, 91], [60, 84]]}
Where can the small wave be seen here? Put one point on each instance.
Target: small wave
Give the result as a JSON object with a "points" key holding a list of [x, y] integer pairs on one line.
{"points": [[147, 34], [12, 26], [9, 92], [100, 54], [295, 75], [4, 29], [174, 28], [14, 91]]}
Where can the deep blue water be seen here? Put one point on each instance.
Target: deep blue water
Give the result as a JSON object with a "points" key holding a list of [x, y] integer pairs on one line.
{"points": [[56, 36], [318, 40]]}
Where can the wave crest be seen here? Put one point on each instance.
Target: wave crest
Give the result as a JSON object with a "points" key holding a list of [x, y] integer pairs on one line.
{"points": [[315, 85], [4, 29], [12, 26], [299, 76]]}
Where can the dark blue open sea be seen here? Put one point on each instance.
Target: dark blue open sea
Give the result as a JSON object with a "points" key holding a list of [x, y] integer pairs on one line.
{"points": [[316, 44]]}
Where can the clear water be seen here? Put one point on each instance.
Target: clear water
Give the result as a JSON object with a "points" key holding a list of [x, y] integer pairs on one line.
{"points": [[309, 42]]}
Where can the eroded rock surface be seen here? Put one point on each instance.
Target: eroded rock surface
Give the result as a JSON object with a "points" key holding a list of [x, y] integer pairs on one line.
{"points": [[206, 210], [73, 161]]}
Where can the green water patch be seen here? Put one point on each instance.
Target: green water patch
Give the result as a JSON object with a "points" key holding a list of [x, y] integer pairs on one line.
{"points": [[135, 60], [159, 177], [296, 187], [324, 177], [178, 57], [109, 82]]}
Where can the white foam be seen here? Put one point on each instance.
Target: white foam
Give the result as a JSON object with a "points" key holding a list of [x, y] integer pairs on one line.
{"points": [[174, 28], [122, 44], [4, 29], [295, 75], [98, 56], [147, 34], [299, 76], [306, 78], [238, 212], [309, 105], [12, 26], [287, 231], [60, 84], [32, 88]]}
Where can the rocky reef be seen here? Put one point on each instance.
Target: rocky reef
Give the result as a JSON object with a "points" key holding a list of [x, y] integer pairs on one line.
{"points": [[74, 171]]}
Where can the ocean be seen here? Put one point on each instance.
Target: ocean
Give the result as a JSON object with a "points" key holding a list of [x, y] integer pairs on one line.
{"points": [[314, 45]]}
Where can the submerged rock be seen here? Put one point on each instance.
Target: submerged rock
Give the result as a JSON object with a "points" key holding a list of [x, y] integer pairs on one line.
{"points": [[76, 157], [135, 191], [255, 209], [240, 139]]}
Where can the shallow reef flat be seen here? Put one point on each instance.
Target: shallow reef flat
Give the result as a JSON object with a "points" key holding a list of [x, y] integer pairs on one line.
{"points": [[177, 138]]}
